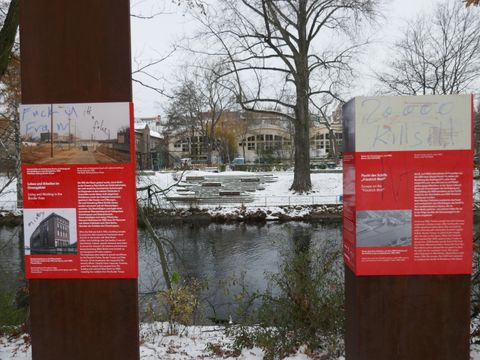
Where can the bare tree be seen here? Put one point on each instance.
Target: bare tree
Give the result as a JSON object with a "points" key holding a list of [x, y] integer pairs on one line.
{"points": [[283, 58], [184, 113], [10, 125], [197, 107], [331, 122], [439, 54], [9, 95], [144, 72], [218, 100], [8, 32], [242, 128]]}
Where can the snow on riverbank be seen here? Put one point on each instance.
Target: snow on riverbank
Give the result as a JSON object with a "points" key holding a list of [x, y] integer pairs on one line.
{"points": [[193, 342], [326, 189], [275, 201]]}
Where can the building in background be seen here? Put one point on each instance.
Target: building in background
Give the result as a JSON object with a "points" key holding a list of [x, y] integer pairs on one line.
{"points": [[258, 138], [149, 148], [52, 232], [267, 138]]}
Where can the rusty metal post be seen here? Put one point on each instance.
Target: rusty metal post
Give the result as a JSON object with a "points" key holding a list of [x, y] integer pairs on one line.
{"points": [[72, 52], [407, 317]]}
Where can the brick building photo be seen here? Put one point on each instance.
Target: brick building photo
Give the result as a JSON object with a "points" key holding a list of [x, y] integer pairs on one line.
{"points": [[52, 236]]}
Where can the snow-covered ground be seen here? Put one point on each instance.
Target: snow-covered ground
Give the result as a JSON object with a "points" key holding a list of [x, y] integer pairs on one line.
{"points": [[193, 342], [326, 187], [273, 200]]}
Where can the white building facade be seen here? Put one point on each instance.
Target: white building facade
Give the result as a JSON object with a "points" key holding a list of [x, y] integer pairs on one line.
{"points": [[261, 138]]}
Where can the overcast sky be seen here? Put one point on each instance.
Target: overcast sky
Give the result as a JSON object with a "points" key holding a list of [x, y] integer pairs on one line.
{"points": [[153, 38]]}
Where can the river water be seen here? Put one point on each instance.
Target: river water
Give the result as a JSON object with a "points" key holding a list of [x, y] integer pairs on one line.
{"points": [[227, 258]]}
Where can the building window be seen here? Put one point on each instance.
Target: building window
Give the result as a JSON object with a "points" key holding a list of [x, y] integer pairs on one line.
{"points": [[268, 141], [251, 143]]}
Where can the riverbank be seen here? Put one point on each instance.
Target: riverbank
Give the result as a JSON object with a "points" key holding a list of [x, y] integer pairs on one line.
{"points": [[311, 214], [274, 202], [250, 215], [11, 219], [193, 342], [306, 213]]}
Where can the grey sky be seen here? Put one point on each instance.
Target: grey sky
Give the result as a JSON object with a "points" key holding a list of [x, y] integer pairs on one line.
{"points": [[153, 38]]}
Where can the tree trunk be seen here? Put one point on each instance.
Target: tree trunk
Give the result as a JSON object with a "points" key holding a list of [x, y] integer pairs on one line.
{"points": [[18, 168], [7, 35], [301, 176], [210, 140], [158, 243], [332, 138]]}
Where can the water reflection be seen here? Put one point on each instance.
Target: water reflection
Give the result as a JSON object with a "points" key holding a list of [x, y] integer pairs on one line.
{"points": [[219, 254], [225, 254]]}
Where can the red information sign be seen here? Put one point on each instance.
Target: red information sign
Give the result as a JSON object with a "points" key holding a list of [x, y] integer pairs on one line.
{"points": [[79, 190], [408, 185]]}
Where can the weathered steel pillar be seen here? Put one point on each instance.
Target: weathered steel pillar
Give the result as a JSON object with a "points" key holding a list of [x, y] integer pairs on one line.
{"points": [[73, 52], [407, 317]]}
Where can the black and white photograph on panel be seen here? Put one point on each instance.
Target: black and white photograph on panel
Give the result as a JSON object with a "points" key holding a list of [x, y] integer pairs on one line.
{"points": [[50, 231], [380, 228]]}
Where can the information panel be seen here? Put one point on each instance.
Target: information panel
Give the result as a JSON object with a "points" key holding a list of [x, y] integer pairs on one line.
{"points": [[408, 185], [79, 194]]}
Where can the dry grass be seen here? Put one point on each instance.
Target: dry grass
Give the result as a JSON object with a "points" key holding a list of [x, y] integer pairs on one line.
{"points": [[472, 2]]}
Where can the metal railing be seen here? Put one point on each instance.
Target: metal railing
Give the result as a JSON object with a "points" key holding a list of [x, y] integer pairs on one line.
{"points": [[258, 201], [254, 201]]}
